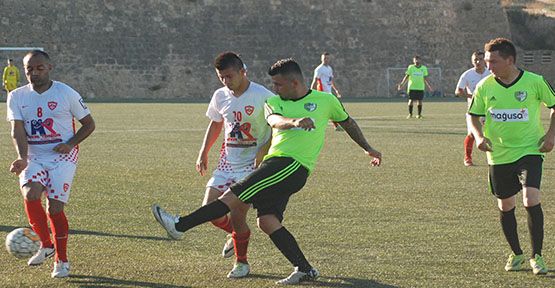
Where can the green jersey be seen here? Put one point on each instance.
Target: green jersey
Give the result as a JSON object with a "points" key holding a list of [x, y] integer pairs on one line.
{"points": [[416, 77], [512, 115], [302, 145]]}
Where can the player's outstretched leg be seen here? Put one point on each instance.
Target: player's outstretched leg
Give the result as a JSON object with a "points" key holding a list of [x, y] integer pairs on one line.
{"points": [[167, 221]]}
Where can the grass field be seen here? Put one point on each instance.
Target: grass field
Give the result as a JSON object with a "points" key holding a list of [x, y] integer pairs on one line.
{"points": [[420, 220]]}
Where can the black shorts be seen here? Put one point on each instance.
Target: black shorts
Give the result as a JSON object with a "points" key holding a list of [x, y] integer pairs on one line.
{"points": [[507, 180], [269, 187], [416, 94]]}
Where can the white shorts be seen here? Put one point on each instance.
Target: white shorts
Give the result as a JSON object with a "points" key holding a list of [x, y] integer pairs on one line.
{"points": [[468, 121], [56, 177], [222, 180]]}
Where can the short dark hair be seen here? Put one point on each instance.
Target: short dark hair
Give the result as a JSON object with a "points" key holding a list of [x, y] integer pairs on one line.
{"points": [[416, 57], [478, 53], [326, 54], [228, 60], [286, 67], [504, 46], [10, 59], [38, 53]]}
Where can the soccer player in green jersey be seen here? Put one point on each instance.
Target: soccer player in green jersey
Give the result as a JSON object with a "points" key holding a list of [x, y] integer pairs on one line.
{"points": [[298, 117], [416, 75], [514, 140]]}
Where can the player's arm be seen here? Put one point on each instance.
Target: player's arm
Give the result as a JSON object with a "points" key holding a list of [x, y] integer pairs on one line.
{"points": [[87, 127], [262, 152], [335, 89], [461, 92], [314, 84], [210, 137], [19, 138], [483, 143], [352, 128], [403, 82], [283, 123], [548, 141]]}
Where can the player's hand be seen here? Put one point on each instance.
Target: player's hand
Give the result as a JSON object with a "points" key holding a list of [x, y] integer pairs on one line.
{"points": [[63, 148], [338, 95], [202, 164], [305, 123], [484, 144], [546, 143], [18, 165], [376, 157], [399, 87]]}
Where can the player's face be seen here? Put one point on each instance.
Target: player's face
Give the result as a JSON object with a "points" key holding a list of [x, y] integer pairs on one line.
{"points": [[416, 61], [283, 86], [498, 65], [231, 77], [326, 59], [37, 70], [478, 61]]}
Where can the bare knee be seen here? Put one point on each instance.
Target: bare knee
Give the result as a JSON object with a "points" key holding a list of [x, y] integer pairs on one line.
{"points": [[55, 206], [269, 224], [32, 191]]}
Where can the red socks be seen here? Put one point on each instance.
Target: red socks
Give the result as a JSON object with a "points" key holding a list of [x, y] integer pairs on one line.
{"points": [[468, 144], [37, 220], [60, 229], [224, 224], [241, 242]]}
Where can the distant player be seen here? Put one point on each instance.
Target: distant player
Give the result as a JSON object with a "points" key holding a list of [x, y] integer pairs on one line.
{"points": [[515, 142], [10, 77], [42, 118], [298, 117], [465, 88], [238, 107], [416, 75], [324, 80]]}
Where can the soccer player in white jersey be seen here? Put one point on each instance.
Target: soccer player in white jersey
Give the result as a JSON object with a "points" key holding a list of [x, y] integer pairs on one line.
{"points": [[238, 107], [42, 119], [323, 80], [465, 88]]}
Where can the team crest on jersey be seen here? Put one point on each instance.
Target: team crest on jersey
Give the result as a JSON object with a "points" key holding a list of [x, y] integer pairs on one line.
{"points": [[52, 105], [521, 96], [66, 187], [249, 110], [310, 107]]}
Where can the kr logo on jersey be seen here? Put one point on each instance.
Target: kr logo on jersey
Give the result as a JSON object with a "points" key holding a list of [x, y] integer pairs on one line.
{"points": [[52, 105], [521, 96], [249, 110]]}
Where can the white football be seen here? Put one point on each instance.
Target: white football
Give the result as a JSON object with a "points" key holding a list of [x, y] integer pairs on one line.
{"points": [[22, 243]]}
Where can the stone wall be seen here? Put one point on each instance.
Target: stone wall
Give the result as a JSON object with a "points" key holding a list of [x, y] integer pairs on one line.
{"points": [[163, 49]]}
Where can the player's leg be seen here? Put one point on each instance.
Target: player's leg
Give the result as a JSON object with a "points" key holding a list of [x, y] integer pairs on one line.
{"points": [[61, 176], [504, 184], [468, 143], [32, 182], [240, 237], [410, 104], [530, 177], [419, 100], [224, 222]]}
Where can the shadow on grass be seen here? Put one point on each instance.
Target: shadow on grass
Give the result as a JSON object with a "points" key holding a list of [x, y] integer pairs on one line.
{"points": [[96, 233], [331, 281], [96, 281]]}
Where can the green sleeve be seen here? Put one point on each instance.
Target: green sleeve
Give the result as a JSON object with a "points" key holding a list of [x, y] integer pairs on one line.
{"points": [[478, 106], [546, 93], [337, 111], [272, 107]]}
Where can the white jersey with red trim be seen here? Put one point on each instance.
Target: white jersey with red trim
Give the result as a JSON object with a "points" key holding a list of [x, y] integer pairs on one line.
{"points": [[469, 79], [245, 127], [48, 118], [323, 74]]}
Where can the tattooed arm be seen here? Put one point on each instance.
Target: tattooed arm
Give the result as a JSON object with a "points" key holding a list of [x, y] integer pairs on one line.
{"points": [[351, 127]]}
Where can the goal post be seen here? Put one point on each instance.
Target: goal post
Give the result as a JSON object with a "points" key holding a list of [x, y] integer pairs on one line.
{"points": [[394, 75]]}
